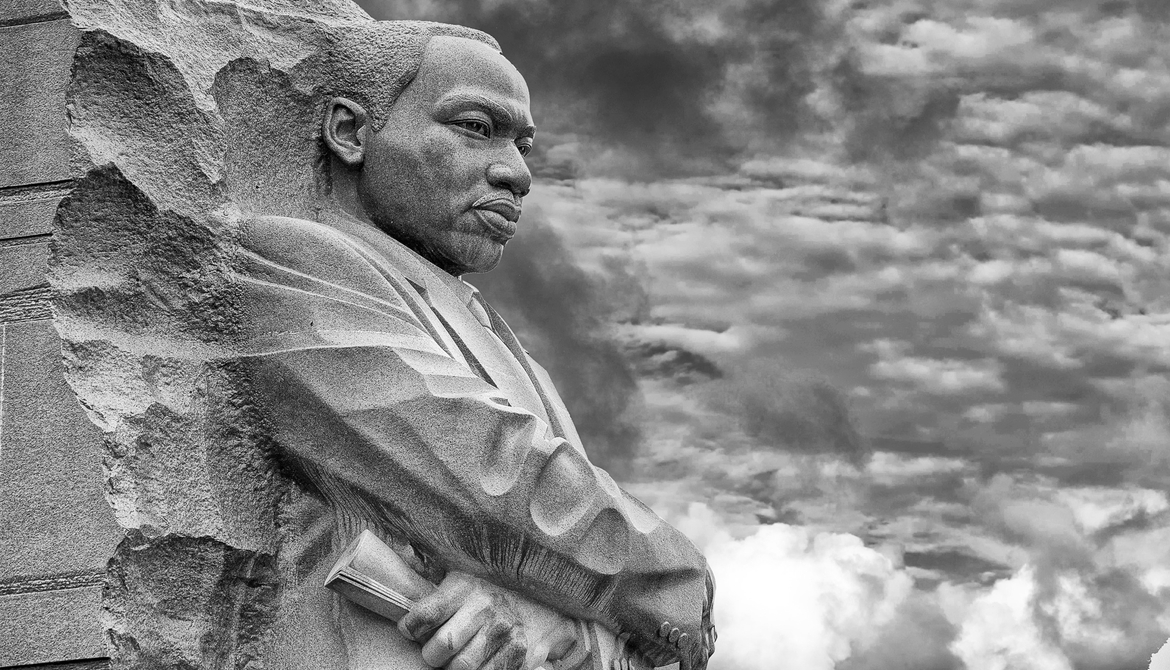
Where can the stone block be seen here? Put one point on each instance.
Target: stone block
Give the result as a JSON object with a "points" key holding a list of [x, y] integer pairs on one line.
{"points": [[27, 11], [35, 60], [51, 627], [24, 266], [23, 219], [54, 519]]}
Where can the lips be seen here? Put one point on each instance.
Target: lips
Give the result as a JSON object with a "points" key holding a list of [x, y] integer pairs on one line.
{"points": [[504, 206], [499, 214]]}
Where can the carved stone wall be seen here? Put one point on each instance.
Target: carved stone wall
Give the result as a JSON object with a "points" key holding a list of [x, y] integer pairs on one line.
{"points": [[123, 514], [56, 530], [142, 514]]}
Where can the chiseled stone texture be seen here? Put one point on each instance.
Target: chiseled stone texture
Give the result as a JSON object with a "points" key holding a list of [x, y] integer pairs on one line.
{"points": [[138, 270], [35, 62], [153, 587]]}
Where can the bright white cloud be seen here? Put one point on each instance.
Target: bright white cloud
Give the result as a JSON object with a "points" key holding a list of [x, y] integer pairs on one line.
{"points": [[811, 599], [998, 629], [1099, 508]]}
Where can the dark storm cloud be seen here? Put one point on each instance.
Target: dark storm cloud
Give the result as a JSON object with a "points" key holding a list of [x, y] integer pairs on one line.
{"points": [[892, 116], [556, 308], [646, 77], [790, 411]]}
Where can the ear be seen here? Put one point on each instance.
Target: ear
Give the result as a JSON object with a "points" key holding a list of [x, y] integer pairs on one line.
{"points": [[345, 130]]}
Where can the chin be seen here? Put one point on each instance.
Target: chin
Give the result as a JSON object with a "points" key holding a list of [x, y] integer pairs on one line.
{"points": [[474, 254], [482, 265]]}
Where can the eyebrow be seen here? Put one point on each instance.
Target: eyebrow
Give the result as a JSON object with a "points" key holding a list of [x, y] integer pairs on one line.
{"points": [[501, 113]]}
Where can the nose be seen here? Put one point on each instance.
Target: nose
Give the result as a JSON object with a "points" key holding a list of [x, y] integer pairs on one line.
{"points": [[512, 175]]}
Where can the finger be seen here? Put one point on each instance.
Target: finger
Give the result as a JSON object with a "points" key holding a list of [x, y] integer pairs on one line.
{"points": [[454, 634], [429, 613], [512, 654], [480, 648]]}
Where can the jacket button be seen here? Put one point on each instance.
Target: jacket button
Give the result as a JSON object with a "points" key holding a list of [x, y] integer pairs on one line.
{"points": [[664, 629], [683, 640], [673, 637]]}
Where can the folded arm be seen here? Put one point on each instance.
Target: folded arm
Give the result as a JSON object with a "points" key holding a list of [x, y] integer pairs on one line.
{"points": [[388, 424]]}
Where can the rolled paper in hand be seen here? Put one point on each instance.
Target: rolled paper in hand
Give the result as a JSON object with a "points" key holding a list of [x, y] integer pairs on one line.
{"points": [[372, 575]]}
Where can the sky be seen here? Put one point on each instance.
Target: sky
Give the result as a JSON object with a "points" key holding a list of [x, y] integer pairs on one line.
{"points": [[871, 298]]}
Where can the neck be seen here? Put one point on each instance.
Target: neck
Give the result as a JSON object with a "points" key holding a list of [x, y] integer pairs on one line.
{"points": [[344, 193], [349, 215]]}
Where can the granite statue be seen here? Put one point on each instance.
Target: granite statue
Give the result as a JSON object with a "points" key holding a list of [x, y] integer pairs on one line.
{"points": [[270, 320]]}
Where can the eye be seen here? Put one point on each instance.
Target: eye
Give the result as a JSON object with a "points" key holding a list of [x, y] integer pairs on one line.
{"points": [[474, 125], [525, 147]]}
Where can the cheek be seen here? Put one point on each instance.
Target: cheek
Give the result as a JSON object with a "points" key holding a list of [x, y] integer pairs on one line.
{"points": [[412, 175], [439, 160]]}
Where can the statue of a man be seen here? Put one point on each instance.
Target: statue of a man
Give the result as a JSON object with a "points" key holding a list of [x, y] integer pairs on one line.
{"points": [[401, 402]]}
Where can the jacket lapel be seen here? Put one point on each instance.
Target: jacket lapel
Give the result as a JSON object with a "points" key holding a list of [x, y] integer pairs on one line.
{"points": [[558, 414], [459, 326]]}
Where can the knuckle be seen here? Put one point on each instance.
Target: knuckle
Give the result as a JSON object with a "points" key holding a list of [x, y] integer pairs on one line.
{"points": [[518, 637], [423, 612], [419, 626]]}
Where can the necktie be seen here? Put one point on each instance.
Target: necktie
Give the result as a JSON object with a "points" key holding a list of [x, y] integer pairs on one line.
{"points": [[515, 367]]}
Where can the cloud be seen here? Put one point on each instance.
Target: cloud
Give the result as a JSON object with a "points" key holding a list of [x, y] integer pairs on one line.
{"points": [[785, 593], [825, 600], [946, 376], [1161, 660], [998, 630], [1099, 508]]}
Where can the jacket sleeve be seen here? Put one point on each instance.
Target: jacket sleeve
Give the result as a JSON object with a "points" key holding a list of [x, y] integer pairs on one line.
{"points": [[394, 428]]}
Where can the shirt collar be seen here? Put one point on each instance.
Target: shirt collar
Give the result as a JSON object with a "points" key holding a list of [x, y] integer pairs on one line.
{"points": [[464, 291]]}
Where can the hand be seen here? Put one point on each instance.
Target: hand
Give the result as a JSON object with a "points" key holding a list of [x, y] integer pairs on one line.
{"points": [[468, 623]]}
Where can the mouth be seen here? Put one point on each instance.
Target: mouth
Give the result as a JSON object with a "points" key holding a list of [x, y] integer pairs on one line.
{"points": [[499, 214]]}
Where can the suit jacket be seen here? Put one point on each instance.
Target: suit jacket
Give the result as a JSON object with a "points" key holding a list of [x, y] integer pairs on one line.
{"points": [[401, 402]]}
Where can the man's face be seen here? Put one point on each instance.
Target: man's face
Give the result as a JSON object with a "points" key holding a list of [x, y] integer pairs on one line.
{"points": [[446, 173]]}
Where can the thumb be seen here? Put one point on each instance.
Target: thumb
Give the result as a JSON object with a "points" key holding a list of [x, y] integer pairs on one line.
{"points": [[537, 655]]}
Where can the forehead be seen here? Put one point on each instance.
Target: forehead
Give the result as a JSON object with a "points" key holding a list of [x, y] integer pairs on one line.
{"points": [[456, 64]]}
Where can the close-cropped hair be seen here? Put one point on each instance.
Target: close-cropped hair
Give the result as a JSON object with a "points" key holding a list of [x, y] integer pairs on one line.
{"points": [[375, 62]]}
